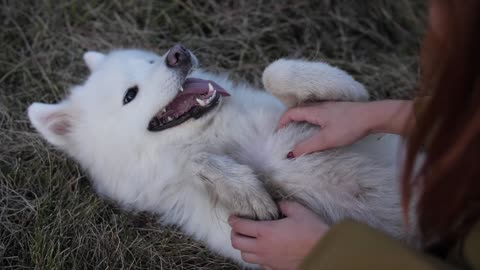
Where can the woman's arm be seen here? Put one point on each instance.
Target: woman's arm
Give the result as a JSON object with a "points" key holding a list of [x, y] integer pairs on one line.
{"points": [[343, 123], [389, 116]]}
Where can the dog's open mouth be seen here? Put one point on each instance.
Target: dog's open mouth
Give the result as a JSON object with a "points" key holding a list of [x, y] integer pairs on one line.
{"points": [[195, 98]]}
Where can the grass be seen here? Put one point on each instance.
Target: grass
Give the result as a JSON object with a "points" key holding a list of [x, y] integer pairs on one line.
{"points": [[50, 218]]}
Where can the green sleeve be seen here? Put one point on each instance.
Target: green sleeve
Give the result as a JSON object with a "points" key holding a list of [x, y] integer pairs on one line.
{"points": [[354, 246], [471, 248]]}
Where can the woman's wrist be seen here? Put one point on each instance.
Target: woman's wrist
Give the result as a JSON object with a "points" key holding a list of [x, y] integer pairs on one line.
{"points": [[387, 116]]}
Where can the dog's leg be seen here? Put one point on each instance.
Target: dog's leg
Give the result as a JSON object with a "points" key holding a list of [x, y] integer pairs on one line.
{"points": [[235, 186], [297, 81]]}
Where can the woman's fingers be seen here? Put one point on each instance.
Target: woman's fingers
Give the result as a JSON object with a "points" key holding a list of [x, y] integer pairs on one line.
{"points": [[313, 144], [287, 117], [290, 208], [251, 258], [244, 243], [244, 226], [298, 114]]}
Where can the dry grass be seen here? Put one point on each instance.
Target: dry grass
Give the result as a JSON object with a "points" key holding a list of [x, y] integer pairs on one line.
{"points": [[50, 217]]}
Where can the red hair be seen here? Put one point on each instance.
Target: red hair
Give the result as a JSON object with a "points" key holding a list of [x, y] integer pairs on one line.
{"points": [[447, 185]]}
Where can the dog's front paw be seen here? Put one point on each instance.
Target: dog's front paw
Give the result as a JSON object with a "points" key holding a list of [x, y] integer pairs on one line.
{"points": [[258, 204], [297, 81], [235, 186]]}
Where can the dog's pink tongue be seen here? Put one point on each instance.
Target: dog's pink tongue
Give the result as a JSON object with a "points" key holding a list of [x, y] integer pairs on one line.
{"points": [[196, 86]]}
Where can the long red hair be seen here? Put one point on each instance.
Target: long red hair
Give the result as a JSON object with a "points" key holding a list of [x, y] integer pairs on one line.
{"points": [[447, 185]]}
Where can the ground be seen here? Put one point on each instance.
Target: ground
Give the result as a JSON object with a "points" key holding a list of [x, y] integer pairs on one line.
{"points": [[50, 218]]}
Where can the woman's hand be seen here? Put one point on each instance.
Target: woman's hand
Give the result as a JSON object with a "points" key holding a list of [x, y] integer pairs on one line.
{"points": [[278, 244], [343, 123]]}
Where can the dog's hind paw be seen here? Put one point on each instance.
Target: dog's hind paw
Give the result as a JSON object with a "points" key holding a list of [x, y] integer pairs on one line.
{"points": [[296, 81]]}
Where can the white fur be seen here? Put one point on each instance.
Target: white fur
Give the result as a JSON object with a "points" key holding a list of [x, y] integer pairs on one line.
{"points": [[313, 78], [93, 59], [159, 171]]}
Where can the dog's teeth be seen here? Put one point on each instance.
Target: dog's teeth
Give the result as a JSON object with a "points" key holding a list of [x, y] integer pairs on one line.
{"points": [[210, 88], [169, 118], [212, 96], [201, 102], [181, 88]]}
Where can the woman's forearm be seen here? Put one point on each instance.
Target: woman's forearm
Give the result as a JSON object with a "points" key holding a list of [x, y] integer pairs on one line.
{"points": [[389, 116]]}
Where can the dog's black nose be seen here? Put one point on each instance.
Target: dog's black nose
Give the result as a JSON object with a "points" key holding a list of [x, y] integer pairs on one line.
{"points": [[178, 57]]}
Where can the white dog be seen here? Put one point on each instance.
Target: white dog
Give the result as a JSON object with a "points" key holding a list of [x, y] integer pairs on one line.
{"points": [[156, 135]]}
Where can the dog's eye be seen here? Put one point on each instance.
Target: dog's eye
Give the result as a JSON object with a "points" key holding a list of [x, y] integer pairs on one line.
{"points": [[130, 94], [151, 61]]}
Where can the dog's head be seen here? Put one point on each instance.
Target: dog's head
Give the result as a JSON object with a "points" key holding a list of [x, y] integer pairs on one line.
{"points": [[131, 99]]}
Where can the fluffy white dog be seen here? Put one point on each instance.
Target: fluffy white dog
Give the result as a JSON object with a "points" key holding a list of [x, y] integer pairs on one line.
{"points": [[156, 135]]}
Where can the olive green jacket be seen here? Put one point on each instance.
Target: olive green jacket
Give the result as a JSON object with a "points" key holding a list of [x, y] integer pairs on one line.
{"points": [[351, 245]]}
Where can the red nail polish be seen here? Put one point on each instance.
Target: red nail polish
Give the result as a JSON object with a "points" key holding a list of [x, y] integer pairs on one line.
{"points": [[290, 155]]}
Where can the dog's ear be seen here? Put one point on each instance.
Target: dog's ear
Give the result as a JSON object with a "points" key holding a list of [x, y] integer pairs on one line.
{"points": [[93, 59], [53, 121]]}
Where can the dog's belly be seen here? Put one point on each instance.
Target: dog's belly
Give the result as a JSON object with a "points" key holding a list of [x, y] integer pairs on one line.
{"points": [[356, 182]]}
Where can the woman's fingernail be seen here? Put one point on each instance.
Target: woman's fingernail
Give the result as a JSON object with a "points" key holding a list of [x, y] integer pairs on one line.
{"points": [[290, 155]]}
